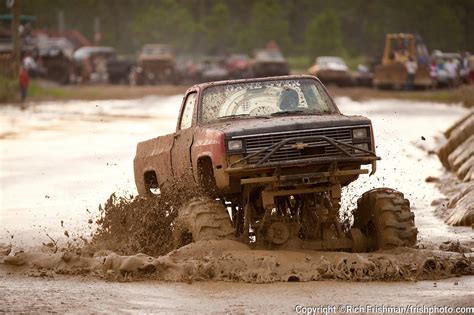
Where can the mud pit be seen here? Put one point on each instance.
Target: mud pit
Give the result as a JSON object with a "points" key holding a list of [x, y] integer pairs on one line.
{"points": [[227, 260], [98, 139]]}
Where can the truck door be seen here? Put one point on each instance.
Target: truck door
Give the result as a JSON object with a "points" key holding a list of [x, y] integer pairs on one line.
{"points": [[183, 139]]}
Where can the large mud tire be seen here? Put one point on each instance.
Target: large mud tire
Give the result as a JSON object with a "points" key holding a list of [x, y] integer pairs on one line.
{"points": [[384, 216], [201, 219]]}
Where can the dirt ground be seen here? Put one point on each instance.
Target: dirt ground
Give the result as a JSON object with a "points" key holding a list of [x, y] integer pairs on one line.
{"points": [[45, 195]]}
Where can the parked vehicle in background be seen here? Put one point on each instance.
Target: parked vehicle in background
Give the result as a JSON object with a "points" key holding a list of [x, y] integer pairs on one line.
{"points": [[120, 69], [156, 64], [392, 72], [269, 62], [90, 63], [55, 58], [238, 66], [471, 68], [213, 69], [448, 66], [188, 69], [330, 69], [362, 76]]}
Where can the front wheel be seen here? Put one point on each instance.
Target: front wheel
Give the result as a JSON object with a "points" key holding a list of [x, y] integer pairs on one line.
{"points": [[384, 217], [201, 219]]}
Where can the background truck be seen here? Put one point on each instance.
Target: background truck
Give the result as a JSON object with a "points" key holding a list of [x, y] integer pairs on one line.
{"points": [[331, 69], [392, 73], [273, 153], [156, 64], [269, 62]]}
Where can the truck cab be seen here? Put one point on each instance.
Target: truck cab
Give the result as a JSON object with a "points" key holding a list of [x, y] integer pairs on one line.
{"points": [[228, 130]]}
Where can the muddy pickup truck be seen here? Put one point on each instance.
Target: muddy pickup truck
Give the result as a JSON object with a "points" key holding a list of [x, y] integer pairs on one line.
{"points": [[156, 64], [273, 154]]}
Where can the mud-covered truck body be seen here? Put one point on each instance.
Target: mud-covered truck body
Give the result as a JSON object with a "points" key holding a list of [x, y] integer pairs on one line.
{"points": [[275, 151]]}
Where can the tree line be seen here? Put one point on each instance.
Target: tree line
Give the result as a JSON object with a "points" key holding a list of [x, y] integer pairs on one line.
{"points": [[300, 27]]}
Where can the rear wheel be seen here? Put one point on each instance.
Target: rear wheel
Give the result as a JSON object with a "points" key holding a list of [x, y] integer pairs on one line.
{"points": [[201, 219], [384, 216]]}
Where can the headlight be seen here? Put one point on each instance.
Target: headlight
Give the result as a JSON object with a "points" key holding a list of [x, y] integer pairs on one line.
{"points": [[359, 133], [234, 145], [364, 146]]}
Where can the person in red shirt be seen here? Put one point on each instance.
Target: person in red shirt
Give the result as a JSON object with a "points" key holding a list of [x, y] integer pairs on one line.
{"points": [[24, 81]]}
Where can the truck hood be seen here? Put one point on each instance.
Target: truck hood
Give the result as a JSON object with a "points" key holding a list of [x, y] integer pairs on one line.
{"points": [[241, 127]]}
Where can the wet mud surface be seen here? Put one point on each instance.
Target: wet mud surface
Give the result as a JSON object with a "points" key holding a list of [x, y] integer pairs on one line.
{"points": [[227, 260], [84, 151], [73, 294]]}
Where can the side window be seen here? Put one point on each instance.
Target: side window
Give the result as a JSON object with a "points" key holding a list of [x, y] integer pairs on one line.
{"points": [[187, 117]]}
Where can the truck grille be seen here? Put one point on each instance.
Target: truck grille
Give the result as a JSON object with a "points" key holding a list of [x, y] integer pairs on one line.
{"points": [[314, 148]]}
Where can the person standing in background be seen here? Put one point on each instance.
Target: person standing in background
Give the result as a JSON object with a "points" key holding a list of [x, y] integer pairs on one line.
{"points": [[434, 74], [411, 67], [452, 70], [24, 81], [465, 68], [30, 65]]}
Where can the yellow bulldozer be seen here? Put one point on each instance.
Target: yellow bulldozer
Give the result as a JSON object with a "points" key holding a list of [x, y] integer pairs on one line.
{"points": [[398, 49]]}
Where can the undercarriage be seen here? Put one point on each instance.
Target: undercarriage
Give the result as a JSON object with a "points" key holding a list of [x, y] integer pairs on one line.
{"points": [[289, 208]]}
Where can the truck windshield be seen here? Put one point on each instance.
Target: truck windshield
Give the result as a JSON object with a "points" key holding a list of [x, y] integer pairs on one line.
{"points": [[265, 98]]}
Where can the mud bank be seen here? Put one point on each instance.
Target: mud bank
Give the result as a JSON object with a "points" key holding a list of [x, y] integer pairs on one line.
{"points": [[227, 260], [456, 153]]}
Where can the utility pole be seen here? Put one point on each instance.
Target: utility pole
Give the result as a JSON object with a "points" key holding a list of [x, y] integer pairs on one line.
{"points": [[61, 24], [16, 52], [97, 32]]}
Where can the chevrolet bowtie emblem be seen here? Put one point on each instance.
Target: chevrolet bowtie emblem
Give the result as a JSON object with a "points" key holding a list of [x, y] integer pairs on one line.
{"points": [[299, 146]]}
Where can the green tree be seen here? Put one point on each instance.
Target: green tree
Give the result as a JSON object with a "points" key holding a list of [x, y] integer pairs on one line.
{"points": [[217, 28], [324, 36], [168, 22], [268, 21], [298, 26]]}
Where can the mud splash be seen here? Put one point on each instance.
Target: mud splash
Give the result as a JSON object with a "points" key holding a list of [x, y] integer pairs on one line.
{"points": [[227, 260], [129, 225]]}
